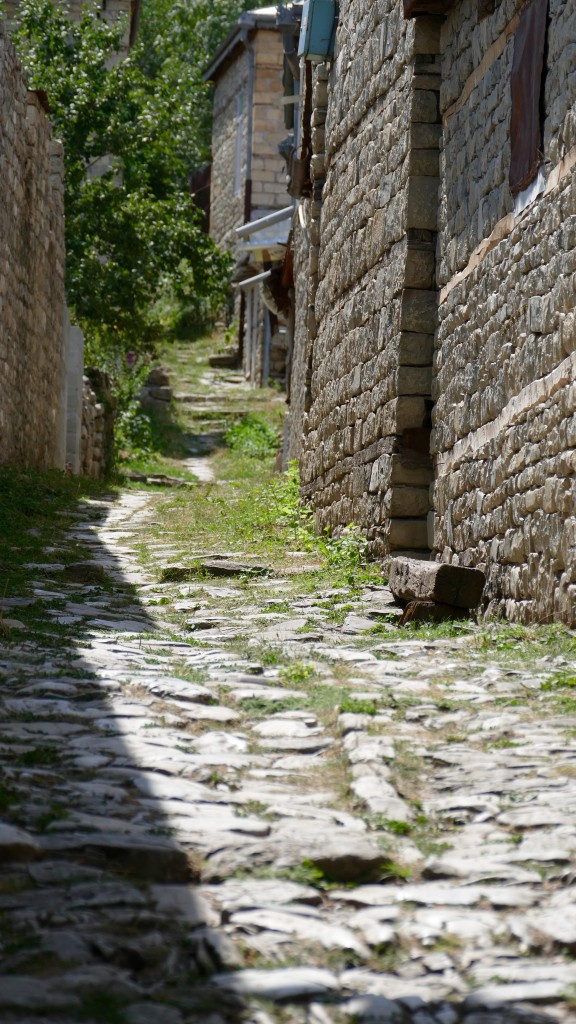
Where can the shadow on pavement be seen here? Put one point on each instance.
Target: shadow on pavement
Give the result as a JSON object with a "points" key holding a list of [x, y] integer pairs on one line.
{"points": [[100, 914]]}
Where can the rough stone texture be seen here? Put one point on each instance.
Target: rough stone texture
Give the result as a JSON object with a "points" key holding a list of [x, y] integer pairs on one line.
{"points": [[407, 253], [411, 579], [32, 302], [97, 433], [306, 236], [365, 455], [147, 850], [229, 113], [242, 189], [268, 171], [505, 416], [248, 177]]}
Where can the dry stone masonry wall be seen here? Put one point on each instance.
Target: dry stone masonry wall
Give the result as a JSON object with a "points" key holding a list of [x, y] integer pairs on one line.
{"points": [[32, 303], [416, 245], [227, 202], [505, 417], [366, 451]]}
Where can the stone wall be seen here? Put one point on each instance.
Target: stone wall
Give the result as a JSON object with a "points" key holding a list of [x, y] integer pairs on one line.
{"points": [[505, 368], [365, 456], [268, 169], [229, 124], [32, 301], [298, 382], [247, 186], [97, 426], [410, 243]]}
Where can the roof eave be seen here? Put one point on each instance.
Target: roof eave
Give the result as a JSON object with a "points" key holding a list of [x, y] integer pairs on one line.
{"points": [[247, 22]]}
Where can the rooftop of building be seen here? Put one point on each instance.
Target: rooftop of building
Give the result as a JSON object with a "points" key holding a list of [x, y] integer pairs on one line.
{"points": [[262, 17]]}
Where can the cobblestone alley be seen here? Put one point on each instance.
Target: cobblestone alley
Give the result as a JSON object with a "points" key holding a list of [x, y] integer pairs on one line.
{"points": [[230, 799]]}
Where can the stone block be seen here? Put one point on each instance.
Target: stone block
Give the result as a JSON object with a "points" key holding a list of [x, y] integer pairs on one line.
{"points": [[411, 471], [318, 139], [431, 611], [419, 311], [318, 166], [568, 332], [426, 136], [427, 34], [425, 106], [420, 267], [541, 314], [408, 533], [407, 502], [415, 349], [320, 94], [84, 572], [423, 202], [410, 579], [413, 380], [407, 412]]}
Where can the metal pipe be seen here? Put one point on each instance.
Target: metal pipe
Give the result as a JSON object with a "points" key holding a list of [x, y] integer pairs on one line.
{"points": [[251, 281], [265, 222]]}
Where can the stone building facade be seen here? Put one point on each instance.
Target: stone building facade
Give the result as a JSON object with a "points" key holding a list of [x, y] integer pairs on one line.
{"points": [[32, 301], [248, 178], [370, 311], [433, 386], [504, 438]]}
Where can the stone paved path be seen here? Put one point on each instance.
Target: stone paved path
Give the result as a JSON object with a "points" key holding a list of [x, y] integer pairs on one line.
{"points": [[191, 839]]}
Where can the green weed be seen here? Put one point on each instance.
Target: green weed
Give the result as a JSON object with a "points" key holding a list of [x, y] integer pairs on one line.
{"points": [[358, 707], [560, 681], [392, 870], [259, 707], [256, 807], [252, 436]]}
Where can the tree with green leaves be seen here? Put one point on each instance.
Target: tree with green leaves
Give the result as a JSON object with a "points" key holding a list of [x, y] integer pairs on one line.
{"points": [[132, 130]]}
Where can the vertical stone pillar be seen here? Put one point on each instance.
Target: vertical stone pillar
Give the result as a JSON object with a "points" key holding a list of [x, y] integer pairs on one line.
{"points": [[407, 500]]}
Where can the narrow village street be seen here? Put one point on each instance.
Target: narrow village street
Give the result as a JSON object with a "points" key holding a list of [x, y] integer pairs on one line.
{"points": [[229, 795]]}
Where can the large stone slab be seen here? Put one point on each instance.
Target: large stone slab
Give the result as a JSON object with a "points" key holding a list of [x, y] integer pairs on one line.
{"points": [[276, 985], [411, 579], [211, 567], [147, 858]]}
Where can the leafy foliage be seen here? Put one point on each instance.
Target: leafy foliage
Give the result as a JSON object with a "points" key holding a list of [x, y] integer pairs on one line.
{"points": [[131, 135], [253, 436]]}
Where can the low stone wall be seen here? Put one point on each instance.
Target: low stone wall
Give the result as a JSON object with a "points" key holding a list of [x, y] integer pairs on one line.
{"points": [[229, 136], [97, 434], [32, 254]]}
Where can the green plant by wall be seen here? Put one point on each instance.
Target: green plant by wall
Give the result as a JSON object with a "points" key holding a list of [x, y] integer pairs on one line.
{"points": [[253, 436]]}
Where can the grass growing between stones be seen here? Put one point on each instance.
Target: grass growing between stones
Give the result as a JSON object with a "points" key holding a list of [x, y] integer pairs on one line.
{"points": [[255, 512]]}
